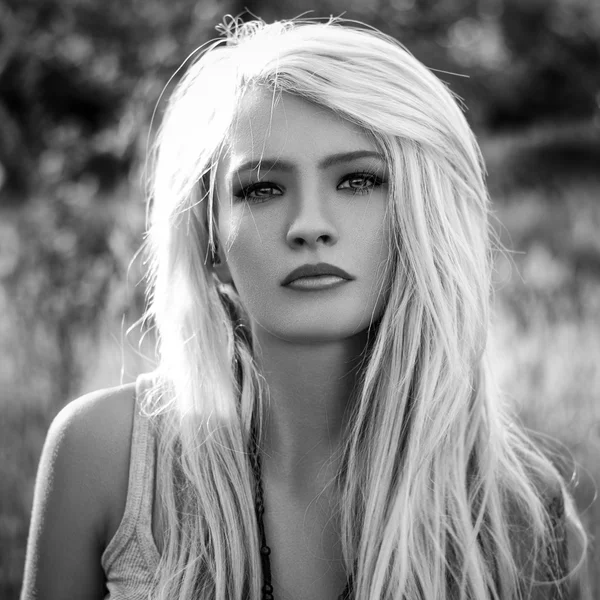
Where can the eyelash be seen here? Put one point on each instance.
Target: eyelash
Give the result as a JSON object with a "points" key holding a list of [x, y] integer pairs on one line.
{"points": [[244, 193]]}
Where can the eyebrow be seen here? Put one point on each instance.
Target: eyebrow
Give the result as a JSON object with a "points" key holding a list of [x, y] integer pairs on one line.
{"points": [[286, 166]]}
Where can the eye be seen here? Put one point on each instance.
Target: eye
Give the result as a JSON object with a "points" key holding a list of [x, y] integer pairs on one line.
{"points": [[360, 183], [258, 192]]}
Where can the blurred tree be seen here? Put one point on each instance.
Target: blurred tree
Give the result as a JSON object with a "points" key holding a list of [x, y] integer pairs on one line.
{"points": [[554, 70], [71, 70]]}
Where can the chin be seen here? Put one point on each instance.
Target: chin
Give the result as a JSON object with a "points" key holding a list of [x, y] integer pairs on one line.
{"points": [[316, 332]]}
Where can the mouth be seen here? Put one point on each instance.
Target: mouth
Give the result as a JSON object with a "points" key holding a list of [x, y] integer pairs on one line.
{"points": [[317, 275]]}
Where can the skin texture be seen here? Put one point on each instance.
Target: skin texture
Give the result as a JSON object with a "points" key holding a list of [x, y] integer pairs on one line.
{"points": [[307, 215], [309, 212], [80, 495]]}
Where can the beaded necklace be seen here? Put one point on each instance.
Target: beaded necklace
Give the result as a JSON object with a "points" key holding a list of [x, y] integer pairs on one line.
{"points": [[267, 588]]}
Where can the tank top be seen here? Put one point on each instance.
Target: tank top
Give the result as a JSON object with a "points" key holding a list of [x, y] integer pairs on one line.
{"points": [[131, 558]]}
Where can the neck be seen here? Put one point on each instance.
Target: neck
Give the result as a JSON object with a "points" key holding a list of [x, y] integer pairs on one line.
{"points": [[310, 387]]}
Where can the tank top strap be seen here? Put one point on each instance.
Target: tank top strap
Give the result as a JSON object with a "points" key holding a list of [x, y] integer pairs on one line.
{"points": [[143, 457], [137, 517], [143, 453]]}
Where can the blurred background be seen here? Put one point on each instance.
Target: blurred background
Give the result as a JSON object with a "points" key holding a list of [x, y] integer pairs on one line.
{"points": [[79, 83]]}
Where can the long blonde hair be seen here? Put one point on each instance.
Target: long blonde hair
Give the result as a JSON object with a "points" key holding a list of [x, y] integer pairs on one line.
{"points": [[435, 478]]}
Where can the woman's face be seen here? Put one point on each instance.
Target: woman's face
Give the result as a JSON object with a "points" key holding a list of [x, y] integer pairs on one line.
{"points": [[299, 185]]}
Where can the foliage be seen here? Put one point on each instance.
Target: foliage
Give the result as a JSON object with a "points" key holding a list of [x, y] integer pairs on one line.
{"points": [[79, 79]]}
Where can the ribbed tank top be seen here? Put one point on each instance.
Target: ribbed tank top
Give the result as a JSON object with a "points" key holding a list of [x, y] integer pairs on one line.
{"points": [[131, 558]]}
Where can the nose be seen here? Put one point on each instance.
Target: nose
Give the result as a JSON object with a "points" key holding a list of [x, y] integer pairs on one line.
{"points": [[310, 225]]}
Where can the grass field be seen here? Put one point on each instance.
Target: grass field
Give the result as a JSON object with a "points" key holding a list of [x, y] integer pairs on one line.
{"points": [[546, 330]]}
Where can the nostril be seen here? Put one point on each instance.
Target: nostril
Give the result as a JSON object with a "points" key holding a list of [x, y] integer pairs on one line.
{"points": [[311, 236], [302, 241]]}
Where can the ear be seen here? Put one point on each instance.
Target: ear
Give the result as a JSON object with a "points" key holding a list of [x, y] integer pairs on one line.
{"points": [[221, 268]]}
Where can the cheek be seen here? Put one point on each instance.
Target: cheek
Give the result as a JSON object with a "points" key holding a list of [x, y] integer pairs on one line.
{"points": [[250, 246], [374, 256], [240, 225], [370, 238], [377, 268]]}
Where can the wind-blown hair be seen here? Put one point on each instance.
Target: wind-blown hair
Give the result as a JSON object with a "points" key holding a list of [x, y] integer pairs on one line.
{"points": [[441, 494]]}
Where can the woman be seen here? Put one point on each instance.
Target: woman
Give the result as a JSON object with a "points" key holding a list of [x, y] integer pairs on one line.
{"points": [[323, 420]]}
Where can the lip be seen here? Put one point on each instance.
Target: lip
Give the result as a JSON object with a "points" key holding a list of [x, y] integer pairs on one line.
{"points": [[314, 271]]}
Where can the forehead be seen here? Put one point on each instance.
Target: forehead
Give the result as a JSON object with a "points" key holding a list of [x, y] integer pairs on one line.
{"points": [[289, 127]]}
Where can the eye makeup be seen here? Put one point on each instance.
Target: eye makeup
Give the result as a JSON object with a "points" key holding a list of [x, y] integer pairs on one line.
{"points": [[367, 182], [356, 183]]}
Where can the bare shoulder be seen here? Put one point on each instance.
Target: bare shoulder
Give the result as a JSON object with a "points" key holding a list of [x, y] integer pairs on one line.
{"points": [[80, 491], [94, 433], [97, 420]]}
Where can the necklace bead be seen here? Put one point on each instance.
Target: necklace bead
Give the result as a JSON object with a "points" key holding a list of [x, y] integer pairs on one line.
{"points": [[265, 551]]}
